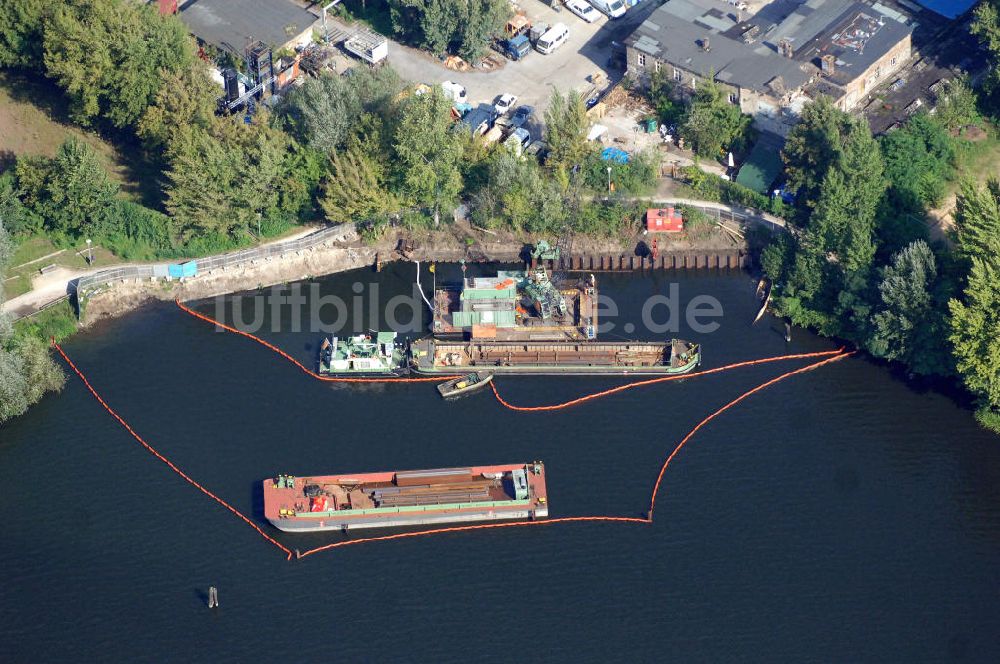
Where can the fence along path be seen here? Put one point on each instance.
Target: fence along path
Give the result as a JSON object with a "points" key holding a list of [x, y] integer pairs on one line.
{"points": [[232, 259]]}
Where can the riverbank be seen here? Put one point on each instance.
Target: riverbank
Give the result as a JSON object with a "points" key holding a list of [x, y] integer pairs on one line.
{"points": [[453, 243]]}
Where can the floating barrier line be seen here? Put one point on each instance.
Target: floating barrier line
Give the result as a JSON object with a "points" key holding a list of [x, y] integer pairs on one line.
{"points": [[569, 519], [162, 458], [831, 356], [748, 393], [482, 526], [654, 381], [329, 379]]}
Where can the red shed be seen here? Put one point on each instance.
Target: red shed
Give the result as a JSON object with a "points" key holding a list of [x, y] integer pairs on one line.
{"points": [[664, 220]]}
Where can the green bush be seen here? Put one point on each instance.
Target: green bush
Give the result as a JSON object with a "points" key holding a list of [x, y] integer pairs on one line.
{"points": [[989, 418], [713, 188], [636, 177], [135, 232], [58, 322]]}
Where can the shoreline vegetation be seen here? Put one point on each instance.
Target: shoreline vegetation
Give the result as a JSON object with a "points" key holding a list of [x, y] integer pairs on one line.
{"points": [[857, 261]]}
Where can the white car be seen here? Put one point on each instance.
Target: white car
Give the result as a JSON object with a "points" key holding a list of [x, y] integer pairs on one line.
{"points": [[504, 103], [613, 8], [583, 9], [455, 91]]}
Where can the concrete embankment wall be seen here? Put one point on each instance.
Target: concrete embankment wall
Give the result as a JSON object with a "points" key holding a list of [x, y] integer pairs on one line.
{"points": [[121, 295]]}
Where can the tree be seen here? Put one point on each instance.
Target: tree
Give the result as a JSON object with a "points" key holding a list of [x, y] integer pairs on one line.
{"points": [[356, 189], [224, 181], [566, 126], [908, 325], [483, 19], [919, 160], [13, 214], [321, 112], [21, 31], [187, 98], [826, 269], [712, 124], [957, 105], [975, 316], [375, 89], [111, 56], [975, 332], [977, 218], [519, 197], [428, 149], [463, 27], [661, 95], [812, 147], [78, 192], [986, 26]]}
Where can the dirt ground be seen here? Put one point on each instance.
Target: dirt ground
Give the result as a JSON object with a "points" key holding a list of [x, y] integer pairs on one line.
{"points": [[33, 121]]}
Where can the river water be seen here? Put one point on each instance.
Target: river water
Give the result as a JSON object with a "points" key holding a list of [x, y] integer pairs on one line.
{"points": [[841, 515]]}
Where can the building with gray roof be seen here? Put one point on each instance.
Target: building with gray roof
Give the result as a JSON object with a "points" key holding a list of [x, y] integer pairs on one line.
{"points": [[233, 24], [770, 62]]}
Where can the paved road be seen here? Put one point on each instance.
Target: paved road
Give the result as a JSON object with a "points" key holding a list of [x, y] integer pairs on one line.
{"points": [[533, 78]]}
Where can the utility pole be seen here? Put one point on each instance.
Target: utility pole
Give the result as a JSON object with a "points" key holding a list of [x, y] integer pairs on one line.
{"points": [[90, 252], [609, 181]]}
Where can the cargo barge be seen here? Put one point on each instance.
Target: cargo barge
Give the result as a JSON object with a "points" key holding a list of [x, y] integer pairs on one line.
{"points": [[434, 356], [406, 498]]}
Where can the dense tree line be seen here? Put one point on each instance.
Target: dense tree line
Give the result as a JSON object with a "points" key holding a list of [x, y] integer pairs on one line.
{"points": [[857, 262], [461, 27]]}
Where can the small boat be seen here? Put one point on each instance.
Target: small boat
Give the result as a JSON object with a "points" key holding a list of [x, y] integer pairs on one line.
{"points": [[465, 384]]}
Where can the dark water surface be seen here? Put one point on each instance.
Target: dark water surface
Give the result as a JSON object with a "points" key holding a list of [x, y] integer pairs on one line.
{"points": [[839, 516]]}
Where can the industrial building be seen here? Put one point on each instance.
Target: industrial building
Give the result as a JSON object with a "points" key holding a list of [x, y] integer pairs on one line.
{"points": [[233, 24], [772, 62]]}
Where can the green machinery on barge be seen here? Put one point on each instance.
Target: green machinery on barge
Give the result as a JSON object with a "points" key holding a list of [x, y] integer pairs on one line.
{"points": [[363, 356]]}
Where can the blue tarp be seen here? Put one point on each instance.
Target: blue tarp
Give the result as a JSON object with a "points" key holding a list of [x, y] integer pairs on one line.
{"points": [[947, 8], [615, 154], [188, 269]]}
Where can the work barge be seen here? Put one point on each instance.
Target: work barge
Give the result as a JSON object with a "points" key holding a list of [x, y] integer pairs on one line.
{"points": [[406, 498], [517, 305]]}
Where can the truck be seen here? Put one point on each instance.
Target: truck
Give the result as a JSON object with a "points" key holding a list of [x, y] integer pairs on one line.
{"points": [[370, 47], [515, 44]]}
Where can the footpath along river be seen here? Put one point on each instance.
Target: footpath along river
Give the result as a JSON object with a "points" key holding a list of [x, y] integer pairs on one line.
{"points": [[840, 515]]}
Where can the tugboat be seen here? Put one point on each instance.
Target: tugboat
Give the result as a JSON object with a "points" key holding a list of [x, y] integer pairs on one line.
{"points": [[466, 384], [361, 356]]}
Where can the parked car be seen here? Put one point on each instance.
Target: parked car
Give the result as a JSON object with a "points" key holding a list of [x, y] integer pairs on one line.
{"points": [[521, 116], [479, 120], [455, 92], [613, 8], [518, 140], [504, 103], [583, 9]]}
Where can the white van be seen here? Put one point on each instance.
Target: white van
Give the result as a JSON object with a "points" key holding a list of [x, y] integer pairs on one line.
{"points": [[455, 92], [613, 8], [553, 38]]}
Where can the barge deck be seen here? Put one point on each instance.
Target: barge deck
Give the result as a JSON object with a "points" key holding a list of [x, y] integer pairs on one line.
{"points": [[434, 356], [406, 498]]}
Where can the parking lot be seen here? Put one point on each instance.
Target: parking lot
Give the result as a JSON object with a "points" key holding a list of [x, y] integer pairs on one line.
{"points": [[533, 78]]}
